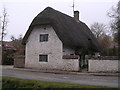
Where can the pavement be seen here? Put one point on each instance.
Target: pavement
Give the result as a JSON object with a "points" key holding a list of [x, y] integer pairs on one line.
{"points": [[11, 67]]}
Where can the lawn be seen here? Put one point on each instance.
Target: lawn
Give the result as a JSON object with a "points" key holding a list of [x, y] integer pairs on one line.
{"points": [[17, 83]]}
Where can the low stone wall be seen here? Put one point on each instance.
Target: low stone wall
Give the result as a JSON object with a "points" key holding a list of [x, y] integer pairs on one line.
{"points": [[103, 65], [19, 61], [62, 65], [70, 64]]}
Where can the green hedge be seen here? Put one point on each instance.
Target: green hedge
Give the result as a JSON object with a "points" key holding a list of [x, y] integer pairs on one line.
{"points": [[8, 60]]}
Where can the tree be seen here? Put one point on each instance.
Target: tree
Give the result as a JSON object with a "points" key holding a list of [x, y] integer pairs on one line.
{"points": [[98, 29], [17, 43], [3, 26], [4, 22], [104, 42], [113, 14], [115, 25], [115, 37]]}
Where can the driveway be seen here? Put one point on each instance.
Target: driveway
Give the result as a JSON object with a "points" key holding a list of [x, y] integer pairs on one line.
{"points": [[110, 81]]}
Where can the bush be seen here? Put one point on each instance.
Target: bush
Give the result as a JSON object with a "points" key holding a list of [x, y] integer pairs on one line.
{"points": [[8, 60]]}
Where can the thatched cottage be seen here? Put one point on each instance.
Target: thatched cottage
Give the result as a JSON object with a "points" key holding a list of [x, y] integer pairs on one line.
{"points": [[55, 40]]}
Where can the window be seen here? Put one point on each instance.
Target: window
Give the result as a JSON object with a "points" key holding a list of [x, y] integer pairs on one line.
{"points": [[43, 37], [43, 58]]}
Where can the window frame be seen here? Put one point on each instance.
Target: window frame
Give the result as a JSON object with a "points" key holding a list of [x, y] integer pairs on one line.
{"points": [[43, 58], [44, 37]]}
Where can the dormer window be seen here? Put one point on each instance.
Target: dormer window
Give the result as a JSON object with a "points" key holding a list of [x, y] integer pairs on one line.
{"points": [[43, 37]]}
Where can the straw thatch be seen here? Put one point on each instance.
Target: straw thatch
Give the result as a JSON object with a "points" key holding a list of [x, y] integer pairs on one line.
{"points": [[71, 32]]}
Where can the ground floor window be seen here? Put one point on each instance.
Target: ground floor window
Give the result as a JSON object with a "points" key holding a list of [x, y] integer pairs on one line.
{"points": [[43, 58]]}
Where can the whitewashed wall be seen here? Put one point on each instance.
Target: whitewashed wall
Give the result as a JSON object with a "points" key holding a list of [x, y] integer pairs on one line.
{"points": [[104, 65], [53, 48], [70, 64]]}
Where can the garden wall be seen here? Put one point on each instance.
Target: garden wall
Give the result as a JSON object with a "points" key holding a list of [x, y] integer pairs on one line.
{"points": [[103, 65], [19, 61]]}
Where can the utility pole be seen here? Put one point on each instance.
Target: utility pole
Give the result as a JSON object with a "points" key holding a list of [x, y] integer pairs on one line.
{"points": [[0, 44], [73, 7]]}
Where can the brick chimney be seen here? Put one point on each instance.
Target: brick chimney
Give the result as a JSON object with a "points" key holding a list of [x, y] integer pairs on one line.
{"points": [[76, 15]]}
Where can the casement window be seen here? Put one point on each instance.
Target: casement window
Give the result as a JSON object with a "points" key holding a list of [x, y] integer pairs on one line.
{"points": [[43, 37], [43, 58]]}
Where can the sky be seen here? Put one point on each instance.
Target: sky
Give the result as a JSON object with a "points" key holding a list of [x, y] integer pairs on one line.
{"points": [[22, 12]]}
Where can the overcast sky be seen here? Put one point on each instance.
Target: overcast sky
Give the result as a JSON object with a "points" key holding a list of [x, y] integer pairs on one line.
{"points": [[22, 12]]}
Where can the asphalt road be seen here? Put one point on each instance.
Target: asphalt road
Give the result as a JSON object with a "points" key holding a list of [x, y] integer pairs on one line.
{"points": [[110, 81]]}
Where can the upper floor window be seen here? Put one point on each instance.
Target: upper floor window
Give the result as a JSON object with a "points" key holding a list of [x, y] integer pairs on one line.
{"points": [[43, 37]]}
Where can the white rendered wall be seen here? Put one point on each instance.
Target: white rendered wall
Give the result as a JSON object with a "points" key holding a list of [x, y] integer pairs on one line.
{"points": [[70, 64], [104, 65], [53, 48]]}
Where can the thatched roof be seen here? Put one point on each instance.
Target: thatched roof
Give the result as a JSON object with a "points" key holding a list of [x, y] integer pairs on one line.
{"points": [[70, 32]]}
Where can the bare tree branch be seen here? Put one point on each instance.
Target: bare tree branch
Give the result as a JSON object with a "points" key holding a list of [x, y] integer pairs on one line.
{"points": [[4, 22], [98, 29]]}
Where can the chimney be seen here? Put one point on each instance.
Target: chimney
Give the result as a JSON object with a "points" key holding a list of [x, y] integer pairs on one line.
{"points": [[76, 15]]}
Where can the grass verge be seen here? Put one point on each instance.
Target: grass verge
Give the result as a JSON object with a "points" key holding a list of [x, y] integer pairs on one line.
{"points": [[10, 82]]}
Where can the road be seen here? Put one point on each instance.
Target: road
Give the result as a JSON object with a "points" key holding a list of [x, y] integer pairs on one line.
{"points": [[110, 81]]}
